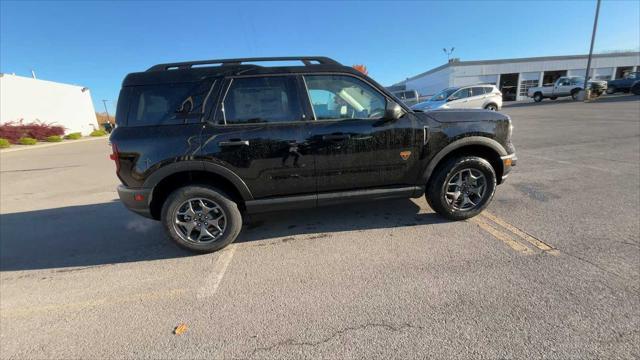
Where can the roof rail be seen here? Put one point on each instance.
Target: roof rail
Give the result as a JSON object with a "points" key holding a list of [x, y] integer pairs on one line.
{"points": [[306, 60]]}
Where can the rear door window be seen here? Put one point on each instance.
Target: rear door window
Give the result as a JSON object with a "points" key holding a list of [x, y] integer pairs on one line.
{"points": [[262, 100], [167, 104], [477, 91]]}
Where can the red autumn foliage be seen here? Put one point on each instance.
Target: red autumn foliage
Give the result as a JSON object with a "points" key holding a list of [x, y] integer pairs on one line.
{"points": [[361, 68], [13, 130]]}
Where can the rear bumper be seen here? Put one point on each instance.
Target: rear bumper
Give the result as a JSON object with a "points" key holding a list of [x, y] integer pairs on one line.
{"points": [[136, 200], [508, 162]]}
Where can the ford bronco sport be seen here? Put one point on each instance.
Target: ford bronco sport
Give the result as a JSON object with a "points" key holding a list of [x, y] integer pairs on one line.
{"points": [[197, 144]]}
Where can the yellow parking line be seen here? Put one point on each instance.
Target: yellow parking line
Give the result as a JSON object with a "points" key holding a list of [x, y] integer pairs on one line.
{"points": [[532, 240], [512, 243]]}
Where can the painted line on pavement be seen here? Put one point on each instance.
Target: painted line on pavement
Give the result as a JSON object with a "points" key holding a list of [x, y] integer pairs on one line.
{"points": [[512, 243], [520, 233], [212, 282]]}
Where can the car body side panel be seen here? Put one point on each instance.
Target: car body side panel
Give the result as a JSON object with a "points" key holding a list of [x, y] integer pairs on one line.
{"points": [[144, 150]]}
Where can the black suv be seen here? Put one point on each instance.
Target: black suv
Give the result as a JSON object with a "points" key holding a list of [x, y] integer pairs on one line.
{"points": [[197, 144]]}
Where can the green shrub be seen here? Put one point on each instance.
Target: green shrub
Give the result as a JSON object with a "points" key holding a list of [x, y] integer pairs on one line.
{"points": [[99, 132], [27, 141], [4, 143], [53, 138], [73, 136]]}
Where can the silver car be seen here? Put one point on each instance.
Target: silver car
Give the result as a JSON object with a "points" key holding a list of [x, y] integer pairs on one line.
{"points": [[465, 97]]}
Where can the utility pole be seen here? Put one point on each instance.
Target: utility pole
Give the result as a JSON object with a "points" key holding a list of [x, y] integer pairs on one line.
{"points": [[105, 110], [593, 38]]}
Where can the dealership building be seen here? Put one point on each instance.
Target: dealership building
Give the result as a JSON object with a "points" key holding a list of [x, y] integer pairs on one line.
{"points": [[514, 76], [27, 99]]}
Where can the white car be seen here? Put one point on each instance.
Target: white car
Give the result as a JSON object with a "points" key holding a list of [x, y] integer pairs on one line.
{"points": [[465, 97]]}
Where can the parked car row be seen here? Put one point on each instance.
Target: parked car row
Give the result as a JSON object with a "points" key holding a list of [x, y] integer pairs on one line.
{"points": [[490, 98]]}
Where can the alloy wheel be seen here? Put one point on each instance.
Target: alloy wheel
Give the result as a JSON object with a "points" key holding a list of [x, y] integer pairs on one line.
{"points": [[465, 189], [199, 221]]}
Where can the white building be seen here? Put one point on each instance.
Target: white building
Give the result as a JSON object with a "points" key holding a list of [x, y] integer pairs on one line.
{"points": [[29, 99], [515, 76]]}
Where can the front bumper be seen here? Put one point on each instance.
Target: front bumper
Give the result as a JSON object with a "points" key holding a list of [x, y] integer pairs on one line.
{"points": [[136, 200], [508, 162]]}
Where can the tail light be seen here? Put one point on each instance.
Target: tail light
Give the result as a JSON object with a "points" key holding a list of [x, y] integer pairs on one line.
{"points": [[115, 156]]}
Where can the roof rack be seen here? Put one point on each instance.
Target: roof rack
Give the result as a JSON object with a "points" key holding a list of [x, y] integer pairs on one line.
{"points": [[306, 60]]}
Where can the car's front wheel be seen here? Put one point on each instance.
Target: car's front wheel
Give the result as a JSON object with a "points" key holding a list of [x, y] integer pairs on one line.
{"points": [[611, 90], [462, 187], [492, 107], [201, 218]]}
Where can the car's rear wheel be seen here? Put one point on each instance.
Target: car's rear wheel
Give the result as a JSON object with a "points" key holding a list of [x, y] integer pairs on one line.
{"points": [[553, 97], [611, 90], [462, 187], [537, 97], [492, 107], [574, 94], [201, 218]]}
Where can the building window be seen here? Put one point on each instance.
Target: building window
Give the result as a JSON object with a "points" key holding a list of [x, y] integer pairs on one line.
{"points": [[525, 85]]}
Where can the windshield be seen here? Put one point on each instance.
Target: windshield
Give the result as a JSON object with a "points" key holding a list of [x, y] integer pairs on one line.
{"points": [[443, 95]]}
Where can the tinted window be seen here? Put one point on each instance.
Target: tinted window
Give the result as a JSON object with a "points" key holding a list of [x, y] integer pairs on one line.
{"points": [[262, 99], [461, 94], [166, 104], [477, 91], [344, 97]]}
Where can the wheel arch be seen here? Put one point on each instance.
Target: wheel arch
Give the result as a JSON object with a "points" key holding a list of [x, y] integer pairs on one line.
{"points": [[176, 175], [486, 148]]}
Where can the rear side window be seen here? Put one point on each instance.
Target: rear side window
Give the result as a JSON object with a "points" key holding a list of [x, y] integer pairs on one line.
{"points": [[166, 104], [477, 91], [262, 99]]}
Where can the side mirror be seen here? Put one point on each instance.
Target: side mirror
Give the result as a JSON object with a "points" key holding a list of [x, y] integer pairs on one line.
{"points": [[452, 98], [393, 111]]}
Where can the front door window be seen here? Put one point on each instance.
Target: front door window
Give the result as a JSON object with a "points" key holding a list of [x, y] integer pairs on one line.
{"points": [[341, 97]]}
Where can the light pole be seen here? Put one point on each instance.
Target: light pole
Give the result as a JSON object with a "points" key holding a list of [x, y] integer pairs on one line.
{"points": [[593, 38], [104, 102], [448, 52]]}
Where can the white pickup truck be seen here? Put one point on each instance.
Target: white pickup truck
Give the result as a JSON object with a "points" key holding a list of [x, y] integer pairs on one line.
{"points": [[566, 86]]}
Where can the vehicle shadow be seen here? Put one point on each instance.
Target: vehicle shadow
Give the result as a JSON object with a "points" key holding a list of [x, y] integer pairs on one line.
{"points": [[107, 233]]}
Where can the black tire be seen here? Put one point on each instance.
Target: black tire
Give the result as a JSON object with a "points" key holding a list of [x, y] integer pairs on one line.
{"points": [[537, 97], [553, 97], [437, 187], [611, 90], [491, 107], [232, 220]]}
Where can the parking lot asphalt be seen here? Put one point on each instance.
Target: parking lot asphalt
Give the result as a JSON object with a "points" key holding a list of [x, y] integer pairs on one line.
{"points": [[552, 269]]}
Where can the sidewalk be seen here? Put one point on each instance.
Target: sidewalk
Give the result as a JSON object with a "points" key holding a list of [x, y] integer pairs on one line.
{"points": [[40, 145]]}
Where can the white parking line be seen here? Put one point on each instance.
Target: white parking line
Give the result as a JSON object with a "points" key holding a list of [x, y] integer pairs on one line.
{"points": [[214, 278]]}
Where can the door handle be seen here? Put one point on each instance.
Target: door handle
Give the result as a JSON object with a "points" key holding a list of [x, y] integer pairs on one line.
{"points": [[234, 143], [336, 137]]}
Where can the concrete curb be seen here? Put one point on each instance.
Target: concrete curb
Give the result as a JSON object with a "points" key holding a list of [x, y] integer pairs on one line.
{"points": [[46, 145]]}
